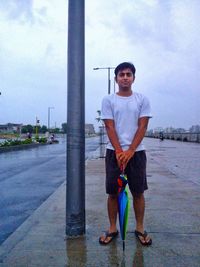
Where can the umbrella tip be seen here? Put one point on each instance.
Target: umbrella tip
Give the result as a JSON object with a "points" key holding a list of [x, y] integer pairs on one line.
{"points": [[123, 245]]}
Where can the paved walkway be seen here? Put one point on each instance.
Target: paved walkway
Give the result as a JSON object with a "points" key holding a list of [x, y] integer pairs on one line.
{"points": [[172, 219]]}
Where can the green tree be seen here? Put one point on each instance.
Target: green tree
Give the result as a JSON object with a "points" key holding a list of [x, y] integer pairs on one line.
{"points": [[30, 128], [43, 129], [24, 129], [55, 130], [27, 128], [64, 127]]}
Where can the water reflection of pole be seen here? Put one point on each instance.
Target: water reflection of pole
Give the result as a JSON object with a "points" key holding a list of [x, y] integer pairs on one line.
{"points": [[75, 186]]}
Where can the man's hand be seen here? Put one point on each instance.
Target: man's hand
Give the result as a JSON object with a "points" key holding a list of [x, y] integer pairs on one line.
{"points": [[118, 155], [125, 156]]}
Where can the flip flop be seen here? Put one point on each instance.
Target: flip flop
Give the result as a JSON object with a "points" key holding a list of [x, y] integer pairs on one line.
{"points": [[139, 234], [107, 234]]}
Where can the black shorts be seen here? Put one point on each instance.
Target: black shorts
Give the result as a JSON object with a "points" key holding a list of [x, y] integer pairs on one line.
{"points": [[135, 171]]}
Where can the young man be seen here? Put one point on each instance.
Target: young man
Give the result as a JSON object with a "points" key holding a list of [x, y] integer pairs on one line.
{"points": [[126, 116]]}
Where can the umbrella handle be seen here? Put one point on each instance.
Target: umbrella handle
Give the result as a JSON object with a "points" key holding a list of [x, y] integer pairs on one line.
{"points": [[122, 169]]}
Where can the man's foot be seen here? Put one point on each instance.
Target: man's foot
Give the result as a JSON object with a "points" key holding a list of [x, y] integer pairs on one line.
{"points": [[144, 238], [108, 237]]}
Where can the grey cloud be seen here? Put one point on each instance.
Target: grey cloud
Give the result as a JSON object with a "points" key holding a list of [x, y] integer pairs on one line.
{"points": [[18, 10], [22, 11], [149, 24]]}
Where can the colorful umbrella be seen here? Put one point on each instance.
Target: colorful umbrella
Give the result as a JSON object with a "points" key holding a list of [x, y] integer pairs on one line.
{"points": [[123, 206]]}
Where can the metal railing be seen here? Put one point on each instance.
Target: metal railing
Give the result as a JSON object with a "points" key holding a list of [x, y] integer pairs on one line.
{"points": [[185, 137]]}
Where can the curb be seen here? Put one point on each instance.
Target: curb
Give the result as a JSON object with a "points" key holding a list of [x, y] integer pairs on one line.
{"points": [[21, 147]]}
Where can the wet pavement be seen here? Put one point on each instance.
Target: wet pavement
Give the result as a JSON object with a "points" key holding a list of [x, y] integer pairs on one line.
{"points": [[172, 219], [180, 158], [28, 178]]}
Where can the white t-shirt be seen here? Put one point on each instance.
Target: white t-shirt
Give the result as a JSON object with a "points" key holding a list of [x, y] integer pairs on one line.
{"points": [[125, 111]]}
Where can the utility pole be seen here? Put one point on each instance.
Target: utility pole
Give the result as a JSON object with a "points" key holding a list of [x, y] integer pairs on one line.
{"points": [[102, 127], [109, 81], [36, 127], [49, 112], [75, 185]]}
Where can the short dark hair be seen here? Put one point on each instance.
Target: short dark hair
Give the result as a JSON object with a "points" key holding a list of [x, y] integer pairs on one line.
{"points": [[125, 65]]}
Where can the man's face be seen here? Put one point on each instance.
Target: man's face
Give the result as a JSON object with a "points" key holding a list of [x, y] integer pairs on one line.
{"points": [[124, 79]]}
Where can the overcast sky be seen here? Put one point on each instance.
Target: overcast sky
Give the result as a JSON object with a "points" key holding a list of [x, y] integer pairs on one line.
{"points": [[161, 38]]}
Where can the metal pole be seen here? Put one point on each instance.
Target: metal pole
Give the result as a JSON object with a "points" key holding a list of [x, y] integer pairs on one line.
{"points": [[49, 110], [48, 118], [109, 81], [75, 186]]}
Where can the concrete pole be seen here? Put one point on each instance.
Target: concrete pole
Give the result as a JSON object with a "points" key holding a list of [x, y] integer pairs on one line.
{"points": [[75, 188]]}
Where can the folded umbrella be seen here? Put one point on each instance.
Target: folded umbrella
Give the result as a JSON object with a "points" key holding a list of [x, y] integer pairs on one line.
{"points": [[123, 206]]}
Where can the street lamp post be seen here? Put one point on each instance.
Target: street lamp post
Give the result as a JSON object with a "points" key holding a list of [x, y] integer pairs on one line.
{"points": [[102, 127], [49, 110], [109, 81]]}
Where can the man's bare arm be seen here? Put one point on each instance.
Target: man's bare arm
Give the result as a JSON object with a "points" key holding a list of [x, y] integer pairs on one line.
{"points": [[140, 133], [112, 135]]}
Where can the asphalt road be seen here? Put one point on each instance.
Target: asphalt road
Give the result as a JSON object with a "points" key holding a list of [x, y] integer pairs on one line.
{"points": [[29, 177]]}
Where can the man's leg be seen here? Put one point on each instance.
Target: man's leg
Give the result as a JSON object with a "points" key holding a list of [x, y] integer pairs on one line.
{"points": [[112, 207], [136, 172], [139, 208], [112, 172]]}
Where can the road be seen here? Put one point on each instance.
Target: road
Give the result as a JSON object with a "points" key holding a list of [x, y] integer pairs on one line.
{"points": [[28, 178]]}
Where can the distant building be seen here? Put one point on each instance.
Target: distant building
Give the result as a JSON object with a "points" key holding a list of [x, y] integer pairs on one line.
{"points": [[174, 130], [169, 130], [10, 128], [89, 129], [195, 129], [180, 130], [158, 130]]}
